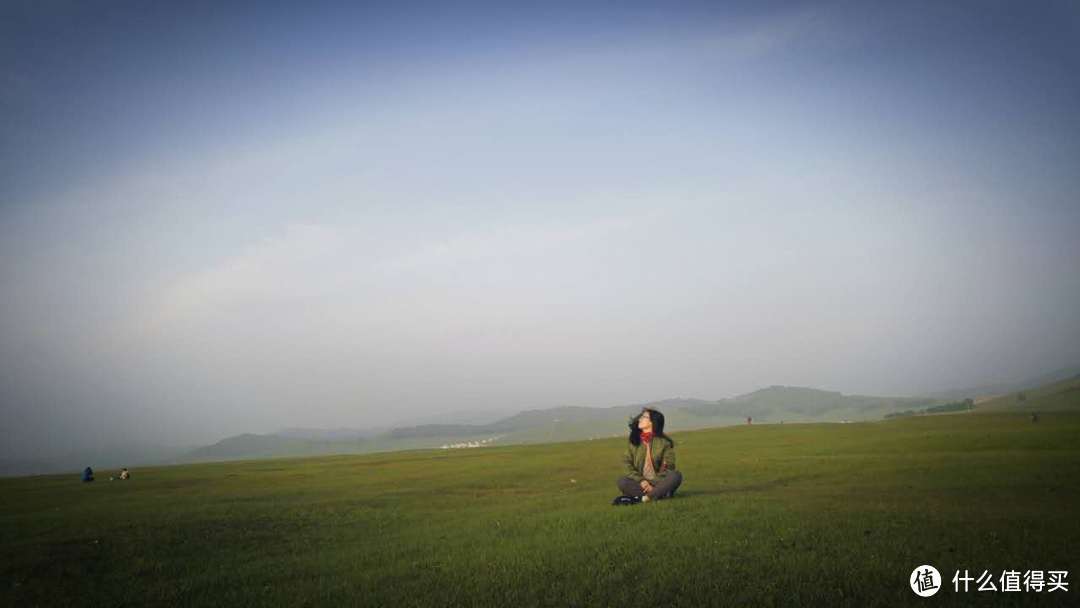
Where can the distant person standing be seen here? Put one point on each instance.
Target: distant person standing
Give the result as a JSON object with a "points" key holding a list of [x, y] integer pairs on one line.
{"points": [[649, 460], [87, 474], [124, 474]]}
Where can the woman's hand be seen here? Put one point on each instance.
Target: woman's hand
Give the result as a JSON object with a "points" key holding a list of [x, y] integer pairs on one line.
{"points": [[646, 486]]}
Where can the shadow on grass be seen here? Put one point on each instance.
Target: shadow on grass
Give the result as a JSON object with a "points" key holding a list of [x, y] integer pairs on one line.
{"points": [[764, 486]]}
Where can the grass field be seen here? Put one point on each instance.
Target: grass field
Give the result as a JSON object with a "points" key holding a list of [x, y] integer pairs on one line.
{"points": [[794, 514]]}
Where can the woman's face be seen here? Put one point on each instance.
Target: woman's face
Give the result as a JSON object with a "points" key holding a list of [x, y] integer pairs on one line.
{"points": [[644, 422]]}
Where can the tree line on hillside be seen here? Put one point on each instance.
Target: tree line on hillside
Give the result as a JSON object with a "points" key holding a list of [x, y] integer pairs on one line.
{"points": [[955, 406]]}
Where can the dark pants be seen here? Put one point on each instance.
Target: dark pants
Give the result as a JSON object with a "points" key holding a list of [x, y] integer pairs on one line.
{"points": [[662, 487]]}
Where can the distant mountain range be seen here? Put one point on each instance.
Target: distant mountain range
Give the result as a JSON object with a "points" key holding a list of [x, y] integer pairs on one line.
{"points": [[768, 405], [772, 404]]}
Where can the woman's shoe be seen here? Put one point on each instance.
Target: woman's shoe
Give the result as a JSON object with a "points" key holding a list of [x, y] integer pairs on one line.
{"points": [[626, 500]]}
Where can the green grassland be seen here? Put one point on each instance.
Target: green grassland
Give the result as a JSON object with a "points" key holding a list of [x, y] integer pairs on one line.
{"points": [[780, 514]]}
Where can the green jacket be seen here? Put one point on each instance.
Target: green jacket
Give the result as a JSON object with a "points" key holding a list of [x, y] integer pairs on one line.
{"points": [[663, 454]]}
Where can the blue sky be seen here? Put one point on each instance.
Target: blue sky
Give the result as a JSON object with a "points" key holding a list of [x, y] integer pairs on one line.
{"points": [[223, 219]]}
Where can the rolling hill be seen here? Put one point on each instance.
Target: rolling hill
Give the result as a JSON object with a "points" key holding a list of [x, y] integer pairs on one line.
{"points": [[773, 404], [1056, 397], [1002, 388]]}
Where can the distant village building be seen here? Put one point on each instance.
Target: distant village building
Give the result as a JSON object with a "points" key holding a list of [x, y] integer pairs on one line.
{"points": [[471, 444]]}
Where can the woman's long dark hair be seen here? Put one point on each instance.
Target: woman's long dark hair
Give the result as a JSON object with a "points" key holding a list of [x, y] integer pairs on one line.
{"points": [[657, 427]]}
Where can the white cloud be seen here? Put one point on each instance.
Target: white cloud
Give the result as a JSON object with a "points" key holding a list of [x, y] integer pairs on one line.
{"points": [[513, 241], [275, 268], [758, 38]]}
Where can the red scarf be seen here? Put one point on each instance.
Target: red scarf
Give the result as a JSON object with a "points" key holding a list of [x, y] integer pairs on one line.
{"points": [[646, 436]]}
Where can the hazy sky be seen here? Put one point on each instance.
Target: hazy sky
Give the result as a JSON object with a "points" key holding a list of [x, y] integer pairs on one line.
{"points": [[217, 219]]}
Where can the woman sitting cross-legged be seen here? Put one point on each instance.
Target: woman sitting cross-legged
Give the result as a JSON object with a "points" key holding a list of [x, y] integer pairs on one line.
{"points": [[649, 459]]}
